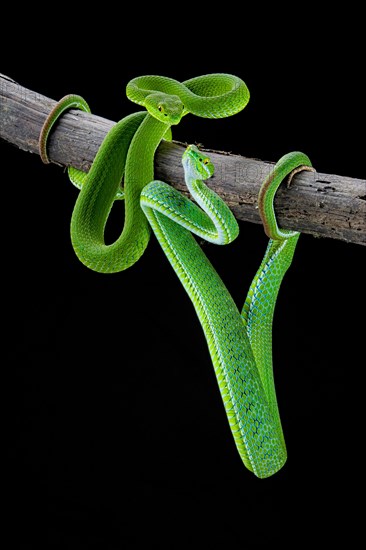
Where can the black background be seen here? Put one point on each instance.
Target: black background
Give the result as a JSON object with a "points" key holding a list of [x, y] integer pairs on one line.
{"points": [[117, 437]]}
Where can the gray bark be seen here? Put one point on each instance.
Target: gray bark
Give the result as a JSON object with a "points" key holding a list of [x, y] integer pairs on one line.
{"points": [[325, 205]]}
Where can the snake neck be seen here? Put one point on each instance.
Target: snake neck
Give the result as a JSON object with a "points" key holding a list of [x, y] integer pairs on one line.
{"points": [[139, 169], [191, 183], [220, 225]]}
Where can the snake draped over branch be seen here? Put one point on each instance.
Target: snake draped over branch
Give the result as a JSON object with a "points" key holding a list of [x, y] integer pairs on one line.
{"points": [[239, 342]]}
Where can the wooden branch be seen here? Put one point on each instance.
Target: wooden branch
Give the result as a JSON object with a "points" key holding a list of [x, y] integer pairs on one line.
{"points": [[319, 204]]}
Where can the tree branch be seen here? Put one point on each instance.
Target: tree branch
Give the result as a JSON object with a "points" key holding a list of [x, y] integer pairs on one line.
{"points": [[319, 204]]}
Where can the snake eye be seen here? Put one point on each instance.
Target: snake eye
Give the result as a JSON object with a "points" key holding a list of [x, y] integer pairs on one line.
{"points": [[160, 108], [206, 160]]}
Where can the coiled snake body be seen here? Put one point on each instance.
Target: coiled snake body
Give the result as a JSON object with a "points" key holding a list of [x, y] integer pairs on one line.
{"points": [[239, 342]]}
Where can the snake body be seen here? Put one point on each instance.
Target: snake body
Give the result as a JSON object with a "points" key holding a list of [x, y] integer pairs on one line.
{"points": [[239, 342], [128, 152]]}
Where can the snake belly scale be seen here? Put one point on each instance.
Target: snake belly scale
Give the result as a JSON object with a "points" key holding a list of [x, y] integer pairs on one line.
{"points": [[239, 342]]}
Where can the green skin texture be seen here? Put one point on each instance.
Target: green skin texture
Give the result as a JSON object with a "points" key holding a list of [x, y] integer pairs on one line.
{"points": [[240, 343]]}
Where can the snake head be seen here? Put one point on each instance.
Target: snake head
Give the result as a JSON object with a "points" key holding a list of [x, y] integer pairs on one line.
{"points": [[197, 164], [165, 107]]}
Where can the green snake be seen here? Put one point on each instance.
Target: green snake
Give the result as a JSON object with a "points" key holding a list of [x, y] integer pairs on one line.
{"points": [[240, 343]]}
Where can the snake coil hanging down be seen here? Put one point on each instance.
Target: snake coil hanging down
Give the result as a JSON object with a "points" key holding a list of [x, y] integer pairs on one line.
{"points": [[240, 344]]}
